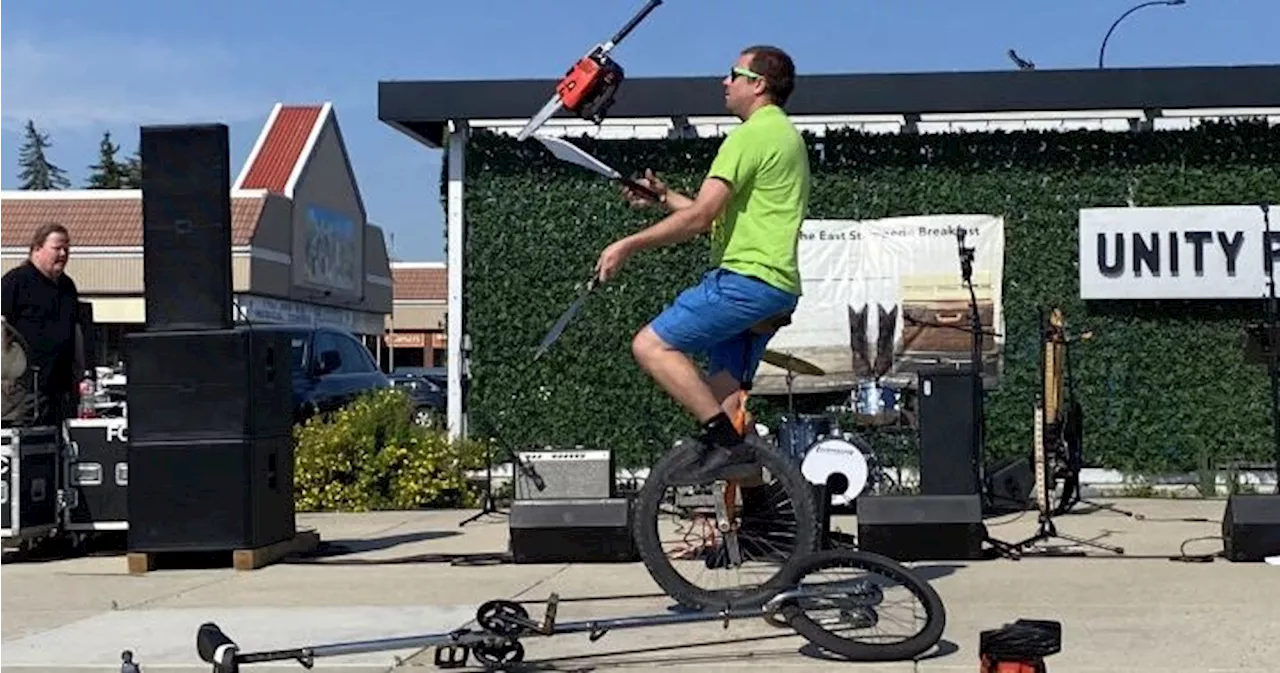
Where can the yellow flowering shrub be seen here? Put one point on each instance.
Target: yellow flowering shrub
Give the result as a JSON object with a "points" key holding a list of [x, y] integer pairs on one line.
{"points": [[370, 455]]}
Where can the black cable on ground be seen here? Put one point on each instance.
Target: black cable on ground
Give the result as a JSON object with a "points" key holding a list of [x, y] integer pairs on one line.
{"points": [[1184, 557]]}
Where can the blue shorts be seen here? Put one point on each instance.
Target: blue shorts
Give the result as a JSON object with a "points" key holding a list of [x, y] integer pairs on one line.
{"points": [[715, 316]]}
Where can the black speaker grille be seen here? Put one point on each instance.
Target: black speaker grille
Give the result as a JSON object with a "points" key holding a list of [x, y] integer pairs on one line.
{"points": [[209, 384], [949, 458], [186, 226], [210, 495]]}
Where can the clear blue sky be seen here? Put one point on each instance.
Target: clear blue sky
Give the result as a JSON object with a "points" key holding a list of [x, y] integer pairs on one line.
{"points": [[79, 68]]}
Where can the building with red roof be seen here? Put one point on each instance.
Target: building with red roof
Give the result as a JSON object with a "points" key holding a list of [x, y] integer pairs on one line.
{"points": [[298, 167], [416, 329]]}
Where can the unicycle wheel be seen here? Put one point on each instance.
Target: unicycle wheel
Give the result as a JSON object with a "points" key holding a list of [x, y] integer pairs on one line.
{"points": [[855, 604], [727, 544]]}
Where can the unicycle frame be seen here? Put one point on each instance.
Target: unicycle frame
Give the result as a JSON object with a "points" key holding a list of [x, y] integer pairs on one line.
{"points": [[454, 648]]}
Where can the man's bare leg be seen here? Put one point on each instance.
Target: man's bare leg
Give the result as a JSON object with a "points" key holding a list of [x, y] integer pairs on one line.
{"points": [[724, 453], [676, 373]]}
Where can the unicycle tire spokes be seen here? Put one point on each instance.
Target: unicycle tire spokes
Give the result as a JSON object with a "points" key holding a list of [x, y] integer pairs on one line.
{"points": [[737, 538], [855, 604]]}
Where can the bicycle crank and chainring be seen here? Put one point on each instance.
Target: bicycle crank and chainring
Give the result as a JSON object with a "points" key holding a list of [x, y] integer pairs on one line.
{"points": [[503, 618], [496, 655]]}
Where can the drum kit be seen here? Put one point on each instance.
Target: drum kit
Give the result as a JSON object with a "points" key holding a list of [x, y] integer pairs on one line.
{"points": [[842, 461]]}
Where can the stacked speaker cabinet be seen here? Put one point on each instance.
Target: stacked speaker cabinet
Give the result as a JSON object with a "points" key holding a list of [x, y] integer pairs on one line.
{"points": [[210, 404], [949, 456], [186, 226]]}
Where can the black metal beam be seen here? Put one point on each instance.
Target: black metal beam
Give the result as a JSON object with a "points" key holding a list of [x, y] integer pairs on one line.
{"points": [[422, 108]]}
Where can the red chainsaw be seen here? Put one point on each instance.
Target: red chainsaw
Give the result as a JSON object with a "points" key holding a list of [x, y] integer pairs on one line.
{"points": [[587, 89]]}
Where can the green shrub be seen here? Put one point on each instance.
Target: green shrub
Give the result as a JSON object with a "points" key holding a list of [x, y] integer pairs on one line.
{"points": [[371, 456]]}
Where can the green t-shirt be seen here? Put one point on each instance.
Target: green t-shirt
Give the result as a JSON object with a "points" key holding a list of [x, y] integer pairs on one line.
{"points": [[767, 163]]}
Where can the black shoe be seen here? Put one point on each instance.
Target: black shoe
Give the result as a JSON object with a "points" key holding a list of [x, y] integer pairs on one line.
{"points": [[714, 463]]}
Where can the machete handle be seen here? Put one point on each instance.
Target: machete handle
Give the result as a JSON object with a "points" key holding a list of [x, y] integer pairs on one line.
{"points": [[641, 188]]}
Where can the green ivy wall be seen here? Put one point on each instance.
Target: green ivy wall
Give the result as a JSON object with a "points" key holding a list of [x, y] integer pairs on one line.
{"points": [[1164, 384]]}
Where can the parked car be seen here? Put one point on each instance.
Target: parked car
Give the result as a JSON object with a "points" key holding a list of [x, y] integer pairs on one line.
{"points": [[330, 368], [437, 375], [429, 395]]}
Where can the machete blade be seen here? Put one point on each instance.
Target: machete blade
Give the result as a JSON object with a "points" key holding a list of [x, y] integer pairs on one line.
{"points": [[557, 329]]}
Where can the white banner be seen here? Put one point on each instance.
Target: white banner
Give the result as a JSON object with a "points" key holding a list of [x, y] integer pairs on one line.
{"points": [[885, 298], [1177, 252]]}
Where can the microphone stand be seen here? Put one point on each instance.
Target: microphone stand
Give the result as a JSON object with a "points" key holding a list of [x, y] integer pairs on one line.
{"points": [[1273, 362], [977, 432]]}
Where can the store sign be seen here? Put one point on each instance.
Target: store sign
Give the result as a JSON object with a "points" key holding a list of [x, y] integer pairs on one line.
{"points": [[406, 340], [273, 310], [1181, 252]]}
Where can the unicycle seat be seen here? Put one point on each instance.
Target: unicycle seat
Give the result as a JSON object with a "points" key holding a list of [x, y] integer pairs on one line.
{"points": [[773, 323]]}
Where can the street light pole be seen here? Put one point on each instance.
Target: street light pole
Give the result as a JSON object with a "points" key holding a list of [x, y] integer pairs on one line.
{"points": [[1103, 49]]}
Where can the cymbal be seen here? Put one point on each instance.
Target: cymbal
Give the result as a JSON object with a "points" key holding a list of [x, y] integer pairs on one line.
{"points": [[792, 363]]}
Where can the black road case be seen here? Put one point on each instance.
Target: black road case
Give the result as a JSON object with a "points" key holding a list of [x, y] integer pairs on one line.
{"points": [[98, 474], [31, 458]]}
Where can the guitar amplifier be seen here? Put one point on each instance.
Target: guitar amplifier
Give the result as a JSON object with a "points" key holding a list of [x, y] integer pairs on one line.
{"points": [[579, 530], [565, 474], [31, 463]]}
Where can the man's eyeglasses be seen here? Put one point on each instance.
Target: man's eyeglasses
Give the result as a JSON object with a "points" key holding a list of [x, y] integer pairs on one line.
{"points": [[736, 72]]}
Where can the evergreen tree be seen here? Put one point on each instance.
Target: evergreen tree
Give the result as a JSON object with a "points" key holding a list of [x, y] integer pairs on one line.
{"points": [[38, 173], [108, 173], [132, 178]]}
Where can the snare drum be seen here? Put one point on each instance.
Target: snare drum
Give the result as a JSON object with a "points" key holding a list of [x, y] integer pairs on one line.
{"points": [[795, 436]]}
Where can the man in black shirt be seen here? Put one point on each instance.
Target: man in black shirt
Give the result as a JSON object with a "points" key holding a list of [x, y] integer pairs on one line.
{"points": [[41, 304]]}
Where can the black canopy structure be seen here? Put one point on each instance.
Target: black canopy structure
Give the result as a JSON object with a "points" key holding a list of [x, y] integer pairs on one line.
{"points": [[423, 109], [440, 113]]}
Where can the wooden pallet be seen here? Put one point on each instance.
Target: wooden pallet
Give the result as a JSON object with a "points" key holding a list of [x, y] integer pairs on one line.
{"points": [[241, 559]]}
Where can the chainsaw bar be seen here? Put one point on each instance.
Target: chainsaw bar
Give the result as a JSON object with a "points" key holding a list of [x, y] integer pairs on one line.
{"points": [[587, 89], [553, 106]]}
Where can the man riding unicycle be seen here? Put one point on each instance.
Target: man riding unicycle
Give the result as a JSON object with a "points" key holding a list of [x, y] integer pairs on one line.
{"points": [[752, 202]]}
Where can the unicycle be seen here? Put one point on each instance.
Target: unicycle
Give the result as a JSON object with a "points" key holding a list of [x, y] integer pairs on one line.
{"points": [[726, 544], [861, 606]]}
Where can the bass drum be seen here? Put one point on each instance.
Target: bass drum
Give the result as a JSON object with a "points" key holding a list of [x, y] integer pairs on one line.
{"points": [[840, 465]]}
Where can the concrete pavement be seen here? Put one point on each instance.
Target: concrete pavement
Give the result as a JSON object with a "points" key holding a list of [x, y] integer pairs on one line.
{"points": [[388, 574]]}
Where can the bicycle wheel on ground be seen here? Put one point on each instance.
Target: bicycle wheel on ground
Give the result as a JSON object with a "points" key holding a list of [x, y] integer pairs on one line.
{"points": [[725, 544], [864, 606]]}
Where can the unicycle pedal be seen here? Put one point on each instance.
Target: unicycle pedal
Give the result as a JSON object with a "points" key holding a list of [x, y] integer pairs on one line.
{"points": [[452, 656], [549, 617]]}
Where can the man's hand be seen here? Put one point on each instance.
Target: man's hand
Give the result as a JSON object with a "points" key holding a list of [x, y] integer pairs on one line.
{"points": [[611, 260], [639, 199]]}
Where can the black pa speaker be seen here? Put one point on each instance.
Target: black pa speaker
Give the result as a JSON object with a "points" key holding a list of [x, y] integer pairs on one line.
{"points": [[211, 459], [209, 384], [186, 226], [579, 530], [1011, 485], [210, 494], [922, 527], [949, 457], [1251, 527]]}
